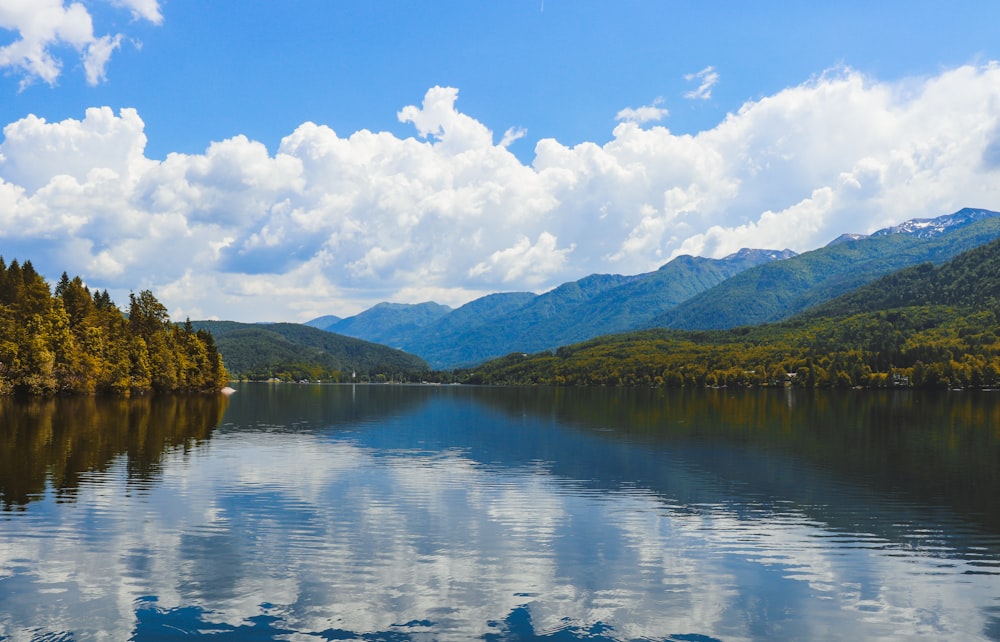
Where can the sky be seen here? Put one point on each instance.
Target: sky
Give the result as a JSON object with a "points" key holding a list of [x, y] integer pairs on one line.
{"points": [[279, 161]]}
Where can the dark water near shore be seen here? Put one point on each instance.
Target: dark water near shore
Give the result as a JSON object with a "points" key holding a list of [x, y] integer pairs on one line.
{"points": [[428, 513]]}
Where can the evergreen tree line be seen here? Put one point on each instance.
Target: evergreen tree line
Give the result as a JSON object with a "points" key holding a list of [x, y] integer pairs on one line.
{"points": [[73, 342]]}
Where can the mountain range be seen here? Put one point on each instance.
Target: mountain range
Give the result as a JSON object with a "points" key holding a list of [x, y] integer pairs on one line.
{"points": [[769, 293], [927, 326], [745, 288], [496, 324]]}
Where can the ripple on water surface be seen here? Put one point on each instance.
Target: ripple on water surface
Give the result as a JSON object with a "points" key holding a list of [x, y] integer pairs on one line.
{"points": [[499, 527]]}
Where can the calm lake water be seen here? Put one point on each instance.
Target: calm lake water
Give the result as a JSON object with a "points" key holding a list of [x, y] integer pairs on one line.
{"points": [[305, 512]]}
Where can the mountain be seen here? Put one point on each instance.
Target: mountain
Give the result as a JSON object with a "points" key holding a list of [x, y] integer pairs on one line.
{"points": [[296, 351], [523, 322], [745, 288], [923, 326], [389, 323], [926, 228], [971, 279], [467, 332], [779, 289], [323, 322], [522, 328], [645, 296], [594, 306], [844, 238]]}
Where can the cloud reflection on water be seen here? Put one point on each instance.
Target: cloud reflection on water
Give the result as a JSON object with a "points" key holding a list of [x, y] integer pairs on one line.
{"points": [[319, 533]]}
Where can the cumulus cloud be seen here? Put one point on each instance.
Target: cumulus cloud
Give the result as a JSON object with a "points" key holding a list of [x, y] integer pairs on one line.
{"points": [[437, 119], [524, 262], [511, 135], [45, 25], [707, 78], [35, 151], [991, 155], [331, 223]]}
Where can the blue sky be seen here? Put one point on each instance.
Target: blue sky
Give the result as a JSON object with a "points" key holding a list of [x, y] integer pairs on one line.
{"points": [[503, 145]]}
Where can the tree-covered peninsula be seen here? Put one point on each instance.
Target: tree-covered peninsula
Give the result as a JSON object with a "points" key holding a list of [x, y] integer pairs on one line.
{"points": [[70, 341]]}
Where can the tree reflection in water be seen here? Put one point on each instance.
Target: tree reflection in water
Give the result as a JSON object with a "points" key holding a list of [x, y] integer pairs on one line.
{"points": [[55, 442]]}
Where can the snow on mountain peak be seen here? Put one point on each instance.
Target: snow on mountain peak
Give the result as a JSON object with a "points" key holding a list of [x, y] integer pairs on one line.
{"points": [[931, 227], [924, 228]]}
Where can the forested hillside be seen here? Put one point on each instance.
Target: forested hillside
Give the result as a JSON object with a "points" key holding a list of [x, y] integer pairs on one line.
{"points": [[292, 352], [971, 279], [75, 342], [922, 327]]}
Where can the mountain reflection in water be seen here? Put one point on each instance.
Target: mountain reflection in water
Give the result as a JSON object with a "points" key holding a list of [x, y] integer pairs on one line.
{"points": [[396, 513]]}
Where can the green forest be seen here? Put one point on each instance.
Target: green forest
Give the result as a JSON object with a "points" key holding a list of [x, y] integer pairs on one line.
{"points": [[292, 352], [70, 341], [925, 346], [923, 327]]}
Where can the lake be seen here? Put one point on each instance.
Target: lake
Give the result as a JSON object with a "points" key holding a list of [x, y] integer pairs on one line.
{"points": [[385, 512]]}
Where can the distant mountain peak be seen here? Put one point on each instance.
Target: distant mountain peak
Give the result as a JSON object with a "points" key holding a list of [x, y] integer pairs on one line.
{"points": [[426, 305], [846, 238], [323, 322], [746, 255], [924, 228], [764, 255]]}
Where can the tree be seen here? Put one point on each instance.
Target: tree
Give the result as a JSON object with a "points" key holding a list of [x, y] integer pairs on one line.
{"points": [[76, 300], [69, 341], [146, 315]]}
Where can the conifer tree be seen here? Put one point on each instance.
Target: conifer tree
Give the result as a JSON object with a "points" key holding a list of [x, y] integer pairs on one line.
{"points": [[69, 341]]}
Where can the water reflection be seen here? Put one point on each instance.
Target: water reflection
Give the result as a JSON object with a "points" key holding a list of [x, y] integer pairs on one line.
{"points": [[443, 513], [934, 453], [55, 442]]}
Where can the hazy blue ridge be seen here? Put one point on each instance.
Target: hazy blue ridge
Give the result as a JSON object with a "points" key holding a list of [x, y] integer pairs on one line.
{"points": [[323, 322], [447, 347], [649, 294], [777, 290], [574, 311], [462, 335], [390, 323]]}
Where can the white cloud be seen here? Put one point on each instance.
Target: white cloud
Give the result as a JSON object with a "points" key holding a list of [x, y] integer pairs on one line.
{"points": [[708, 78], [96, 57], [142, 9], [644, 114], [35, 151], [43, 25], [524, 262], [511, 135], [438, 119], [330, 224]]}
